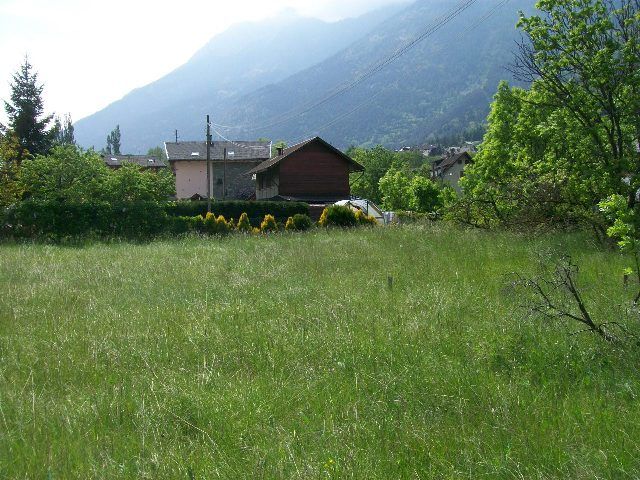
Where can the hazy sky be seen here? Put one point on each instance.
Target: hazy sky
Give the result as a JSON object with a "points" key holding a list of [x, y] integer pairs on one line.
{"points": [[89, 53]]}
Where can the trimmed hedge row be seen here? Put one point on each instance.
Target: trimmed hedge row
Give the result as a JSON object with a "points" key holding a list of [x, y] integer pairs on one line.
{"points": [[144, 220], [233, 209], [33, 219]]}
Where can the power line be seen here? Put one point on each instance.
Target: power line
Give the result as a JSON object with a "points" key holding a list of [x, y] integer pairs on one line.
{"points": [[468, 30], [434, 27]]}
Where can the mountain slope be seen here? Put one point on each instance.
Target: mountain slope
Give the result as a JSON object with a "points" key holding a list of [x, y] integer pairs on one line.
{"points": [[245, 57], [440, 86]]}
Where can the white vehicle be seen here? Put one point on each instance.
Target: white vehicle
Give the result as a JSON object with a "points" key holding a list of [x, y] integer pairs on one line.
{"points": [[366, 206]]}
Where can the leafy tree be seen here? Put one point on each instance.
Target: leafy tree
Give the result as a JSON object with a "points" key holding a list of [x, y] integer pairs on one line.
{"points": [[130, 183], [377, 162], [584, 58], [63, 131], [113, 142], [424, 195], [158, 152], [67, 174], [26, 113], [551, 153], [395, 188]]}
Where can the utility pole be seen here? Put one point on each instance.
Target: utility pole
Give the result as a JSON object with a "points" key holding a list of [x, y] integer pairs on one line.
{"points": [[224, 176], [208, 165], [176, 136]]}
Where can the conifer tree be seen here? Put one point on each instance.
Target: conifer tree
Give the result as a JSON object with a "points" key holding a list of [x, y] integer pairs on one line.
{"points": [[26, 112], [113, 142], [63, 131]]}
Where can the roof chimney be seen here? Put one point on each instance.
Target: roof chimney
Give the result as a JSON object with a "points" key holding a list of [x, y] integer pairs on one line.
{"points": [[280, 150]]}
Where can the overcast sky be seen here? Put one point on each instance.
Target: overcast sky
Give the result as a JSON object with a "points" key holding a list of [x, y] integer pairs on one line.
{"points": [[89, 53]]}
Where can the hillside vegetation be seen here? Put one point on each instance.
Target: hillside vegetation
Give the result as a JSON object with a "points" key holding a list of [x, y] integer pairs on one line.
{"points": [[290, 356]]}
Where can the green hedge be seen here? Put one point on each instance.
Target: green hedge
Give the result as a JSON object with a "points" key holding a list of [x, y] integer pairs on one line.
{"points": [[50, 219], [233, 209]]}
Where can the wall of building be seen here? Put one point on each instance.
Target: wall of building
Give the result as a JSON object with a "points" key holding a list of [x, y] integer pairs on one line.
{"points": [[453, 175], [191, 179], [314, 172], [266, 184]]}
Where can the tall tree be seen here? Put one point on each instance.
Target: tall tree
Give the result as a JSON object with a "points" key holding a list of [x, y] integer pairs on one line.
{"points": [[26, 112], [63, 131], [584, 58], [113, 141]]}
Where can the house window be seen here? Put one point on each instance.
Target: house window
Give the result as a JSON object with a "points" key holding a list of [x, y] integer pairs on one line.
{"points": [[219, 181]]}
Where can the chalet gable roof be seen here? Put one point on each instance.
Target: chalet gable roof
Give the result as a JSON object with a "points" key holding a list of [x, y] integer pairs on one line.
{"points": [[446, 163], [236, 151], [266, 165]]}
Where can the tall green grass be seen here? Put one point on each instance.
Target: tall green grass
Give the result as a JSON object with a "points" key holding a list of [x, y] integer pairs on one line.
{"points": [[290, 357]]}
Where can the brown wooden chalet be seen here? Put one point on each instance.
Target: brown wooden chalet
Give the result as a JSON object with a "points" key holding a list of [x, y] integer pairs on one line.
{"points": [[312, 171]]}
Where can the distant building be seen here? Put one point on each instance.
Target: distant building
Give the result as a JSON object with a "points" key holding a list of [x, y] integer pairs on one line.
{"points": [[312, 171], [189, 165], [144, 161], [450, 169]]}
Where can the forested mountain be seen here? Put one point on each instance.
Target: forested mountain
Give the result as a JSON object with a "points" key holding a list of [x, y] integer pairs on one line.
{"points": [[441, 86], [258, 78], [245, 57]]}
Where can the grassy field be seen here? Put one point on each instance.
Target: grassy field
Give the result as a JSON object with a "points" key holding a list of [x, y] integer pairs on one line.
{"points": [[289, 357]]}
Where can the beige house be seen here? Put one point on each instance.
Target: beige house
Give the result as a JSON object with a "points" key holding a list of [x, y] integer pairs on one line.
{"points": [[451, 169], [188, 161]]}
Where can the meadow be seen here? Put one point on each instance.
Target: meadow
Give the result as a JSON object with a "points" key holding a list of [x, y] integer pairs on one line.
{"points": [[291, 356]]}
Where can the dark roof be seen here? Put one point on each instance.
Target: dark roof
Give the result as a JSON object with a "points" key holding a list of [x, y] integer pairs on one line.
{"points": [[146, 161], [447, 162], [238, 151], [288, 151]]}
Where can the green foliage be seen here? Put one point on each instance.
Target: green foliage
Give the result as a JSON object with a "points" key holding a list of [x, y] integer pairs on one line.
{"points": [[337, 216], [268, 224], [66, 175], [131, 183], [158, 152], [395, 188], [10, 152], [553, 152], [26, 113], [424, 195], [299, 222], [377, 162], [70, 174]]}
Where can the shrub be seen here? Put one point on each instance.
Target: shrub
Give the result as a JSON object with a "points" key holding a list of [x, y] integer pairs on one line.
{"points": [[289, 225], [243, 223], [299, 222], [365, 220], [210, 223], [222, 226], [197, 224], [180, 225], [234, 209], [269, 224], [337, 216]]}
